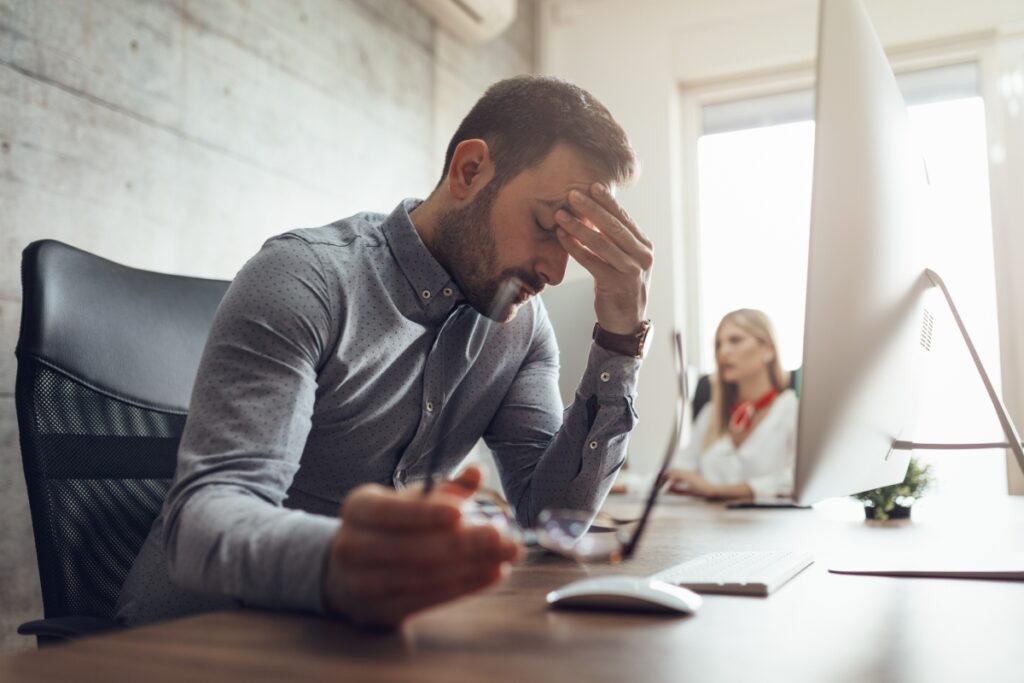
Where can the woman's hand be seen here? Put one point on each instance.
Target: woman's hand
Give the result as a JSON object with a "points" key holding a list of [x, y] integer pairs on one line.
{"points": [[689, 483]]}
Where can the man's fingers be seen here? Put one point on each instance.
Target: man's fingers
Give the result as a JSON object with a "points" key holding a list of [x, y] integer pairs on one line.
{"points": [[603, 196], [595, 241], [359, 547], [461, 487], [610, 225], [395, 610], [597, 266], [373, 506], [464, 485], [381, 585]]}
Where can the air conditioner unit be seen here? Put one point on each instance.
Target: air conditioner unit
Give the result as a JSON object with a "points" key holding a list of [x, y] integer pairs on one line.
{"points": [[471, 21]]}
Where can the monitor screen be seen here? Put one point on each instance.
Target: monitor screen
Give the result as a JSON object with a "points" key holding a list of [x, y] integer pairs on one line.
{"points": [[867, 331]]}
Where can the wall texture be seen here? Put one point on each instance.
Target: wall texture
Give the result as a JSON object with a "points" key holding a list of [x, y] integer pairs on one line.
{"points": [[177, 135]]}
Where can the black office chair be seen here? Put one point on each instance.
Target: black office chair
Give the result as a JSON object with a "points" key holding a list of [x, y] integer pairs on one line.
{"points": [[106, 360], [702, 394]]}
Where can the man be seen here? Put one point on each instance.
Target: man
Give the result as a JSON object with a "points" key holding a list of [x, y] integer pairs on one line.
{"points": [[343, 356]]}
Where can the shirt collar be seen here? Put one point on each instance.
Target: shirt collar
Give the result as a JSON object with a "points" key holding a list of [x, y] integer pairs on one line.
{"points": [[436, 291]]}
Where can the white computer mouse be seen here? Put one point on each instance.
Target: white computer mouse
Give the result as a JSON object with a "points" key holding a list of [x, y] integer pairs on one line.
{"points": [[627, 594]]}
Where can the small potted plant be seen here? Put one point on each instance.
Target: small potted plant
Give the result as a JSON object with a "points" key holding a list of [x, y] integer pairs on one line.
{"points": [[894, 501]]}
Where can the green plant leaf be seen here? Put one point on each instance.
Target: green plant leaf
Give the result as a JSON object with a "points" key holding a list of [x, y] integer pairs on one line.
{"points": [[918, 480]]}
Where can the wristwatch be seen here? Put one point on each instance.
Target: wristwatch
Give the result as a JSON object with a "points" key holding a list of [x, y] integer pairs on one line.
{"points": [[624, 344]]}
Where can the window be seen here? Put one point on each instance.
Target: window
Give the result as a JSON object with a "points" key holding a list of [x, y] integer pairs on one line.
{"points": [[755, 160]]}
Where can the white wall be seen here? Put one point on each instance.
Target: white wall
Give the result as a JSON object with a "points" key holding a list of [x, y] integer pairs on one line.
{"points": [[638, 56]]}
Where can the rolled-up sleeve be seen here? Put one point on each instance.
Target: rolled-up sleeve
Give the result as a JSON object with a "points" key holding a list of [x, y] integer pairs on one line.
{"points": [[226, 532]]}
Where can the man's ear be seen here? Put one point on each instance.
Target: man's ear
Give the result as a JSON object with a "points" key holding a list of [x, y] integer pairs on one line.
{"points": [[470, 170]]}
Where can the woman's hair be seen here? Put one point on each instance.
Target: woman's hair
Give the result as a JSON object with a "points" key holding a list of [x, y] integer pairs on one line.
{"points": [[724, 394]]}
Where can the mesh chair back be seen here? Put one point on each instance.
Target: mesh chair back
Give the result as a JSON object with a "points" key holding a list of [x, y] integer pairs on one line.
{"points": [[106, 360]]}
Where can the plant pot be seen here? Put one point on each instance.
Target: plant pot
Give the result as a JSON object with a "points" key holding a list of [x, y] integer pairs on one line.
{"points": [[898, 512]]}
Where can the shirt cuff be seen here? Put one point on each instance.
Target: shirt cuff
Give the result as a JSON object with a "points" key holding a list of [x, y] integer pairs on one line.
{"points": [[610, 374]]}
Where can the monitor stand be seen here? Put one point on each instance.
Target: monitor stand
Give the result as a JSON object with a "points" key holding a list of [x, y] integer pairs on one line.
{"points": [[1013, 441], [1005, 566]]}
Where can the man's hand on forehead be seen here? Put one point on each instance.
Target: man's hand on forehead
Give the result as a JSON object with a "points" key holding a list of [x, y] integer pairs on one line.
{"points": [[604, 239]]}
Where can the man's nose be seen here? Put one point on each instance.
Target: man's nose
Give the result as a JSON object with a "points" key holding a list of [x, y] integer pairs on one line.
{"points": [[552, 266]]}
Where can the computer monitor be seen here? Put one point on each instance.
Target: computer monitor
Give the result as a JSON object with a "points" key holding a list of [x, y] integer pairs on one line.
{"points": [[868, 327]]}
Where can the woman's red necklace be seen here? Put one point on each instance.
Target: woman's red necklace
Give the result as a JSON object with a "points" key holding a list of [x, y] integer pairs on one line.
{"points": [[743, 413]]}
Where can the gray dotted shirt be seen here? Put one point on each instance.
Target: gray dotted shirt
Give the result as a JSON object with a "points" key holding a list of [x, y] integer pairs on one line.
{"points": [[343, 355]]}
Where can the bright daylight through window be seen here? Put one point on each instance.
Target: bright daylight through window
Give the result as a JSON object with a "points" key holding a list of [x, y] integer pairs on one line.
{"points": [[755, 168]]}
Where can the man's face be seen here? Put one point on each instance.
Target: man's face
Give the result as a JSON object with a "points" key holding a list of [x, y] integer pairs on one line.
{"points": [[501, 248]]}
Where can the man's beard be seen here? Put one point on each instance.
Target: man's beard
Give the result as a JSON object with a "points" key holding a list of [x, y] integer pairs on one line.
{"points": [[465, 245]]}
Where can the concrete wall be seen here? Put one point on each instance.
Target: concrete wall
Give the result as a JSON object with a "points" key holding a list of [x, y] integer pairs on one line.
{"points": [[176, 136]]}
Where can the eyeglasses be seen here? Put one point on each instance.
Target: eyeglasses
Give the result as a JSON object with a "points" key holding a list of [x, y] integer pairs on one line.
{"points": [[490, 507], [582, 535]]}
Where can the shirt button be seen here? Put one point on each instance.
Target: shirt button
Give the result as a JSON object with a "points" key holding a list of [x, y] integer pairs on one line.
{"points": [[447, 291], [605, 376], [593, 445], [425, 293], [430, 406]]}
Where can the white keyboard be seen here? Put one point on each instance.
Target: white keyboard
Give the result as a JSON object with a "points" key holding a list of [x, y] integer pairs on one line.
{"points": [[737, 573]]}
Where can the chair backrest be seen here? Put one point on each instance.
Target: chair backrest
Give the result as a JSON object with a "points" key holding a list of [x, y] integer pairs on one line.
{"points": [[106, 360], [702, 394]]}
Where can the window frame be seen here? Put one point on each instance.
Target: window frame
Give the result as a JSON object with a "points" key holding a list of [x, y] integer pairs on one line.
{"points": [[694, 96]]}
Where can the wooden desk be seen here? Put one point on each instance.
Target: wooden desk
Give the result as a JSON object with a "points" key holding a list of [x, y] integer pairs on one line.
{"points": [[819, 627]]}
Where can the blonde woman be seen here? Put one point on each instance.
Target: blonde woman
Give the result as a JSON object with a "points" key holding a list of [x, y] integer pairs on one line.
{"points": [[744, 441]]}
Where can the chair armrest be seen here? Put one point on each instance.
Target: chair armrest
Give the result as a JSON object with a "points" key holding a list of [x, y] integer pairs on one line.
{"points": [[59, 629]]}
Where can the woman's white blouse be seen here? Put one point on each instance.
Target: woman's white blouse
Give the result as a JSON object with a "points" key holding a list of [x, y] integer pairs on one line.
{"points": [[764, 461]]}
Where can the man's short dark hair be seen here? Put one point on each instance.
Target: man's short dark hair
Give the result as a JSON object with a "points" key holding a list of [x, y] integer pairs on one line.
{"points": [[521, 119]]}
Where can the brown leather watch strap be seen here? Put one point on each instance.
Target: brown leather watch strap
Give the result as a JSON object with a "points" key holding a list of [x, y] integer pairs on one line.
{"points": [[625, 344]]}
